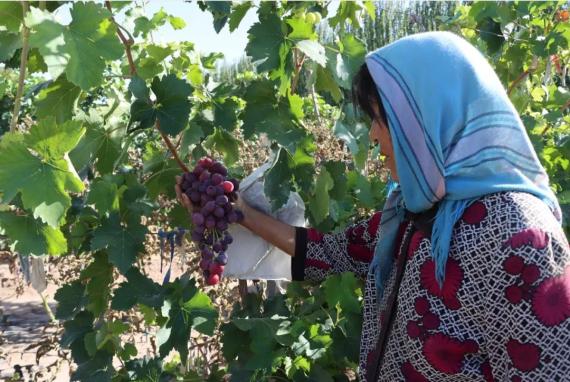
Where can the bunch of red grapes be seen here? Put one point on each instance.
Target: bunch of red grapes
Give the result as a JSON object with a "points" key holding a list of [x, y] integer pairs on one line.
{"points": [[211, 194]]}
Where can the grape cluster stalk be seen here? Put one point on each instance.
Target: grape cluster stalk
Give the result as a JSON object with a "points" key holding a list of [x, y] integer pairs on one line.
{"points": [[211, 194]]}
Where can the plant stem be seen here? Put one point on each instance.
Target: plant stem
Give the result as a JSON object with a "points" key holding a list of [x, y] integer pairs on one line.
{"points": [[133, 71], [23, 63], [47, 308]]}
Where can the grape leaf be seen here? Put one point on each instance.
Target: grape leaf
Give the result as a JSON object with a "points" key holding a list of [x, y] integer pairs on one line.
{"points": [[172, 107], [31, 237], [347, 61], [326, 83], [225, 143], [186, 308], [238, 13], [264, 114], [138, 289], [43, 176], [161, 180], [177, 23], [319, 205], [123, 243], [313, 50], [99, 368], [90, 40], [265, 38], [9, 43], [99, 146], [342, 290], [76, 328], [70, 299], [58, 99], [220, 11], [301, 30], [278, 183], [47, 35], [99, 275], [104, 195], [11, 15]]}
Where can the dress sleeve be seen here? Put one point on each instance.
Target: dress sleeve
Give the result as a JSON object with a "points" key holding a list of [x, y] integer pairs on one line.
{"points": [[318, 255], [527, 307]]}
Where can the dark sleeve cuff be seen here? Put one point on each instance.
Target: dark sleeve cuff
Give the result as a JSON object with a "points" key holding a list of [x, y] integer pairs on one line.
{"points": [[298, 262]]}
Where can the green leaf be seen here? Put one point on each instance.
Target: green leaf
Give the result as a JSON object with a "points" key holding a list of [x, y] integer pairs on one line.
{"points": [[265, 38], [162, 179], [100, 146], [47, 35], [11, 15], [172, 107], [138, 289], [71, 299], [314, 51], [225, 113], [76, 328], [278, 184], [138, 88], [319, 205], [343, 290], [238, 13], [220, 11], [104, 195], [177, 23], [123, 243], [326, 83], [201, 313], [346, 63], [31, 237], [224, 142], [301, 30], [265, 114], [90, 40], [185, 308], [45, 176], [58, 99], [99, 368], [100, 276], [9, 44]]}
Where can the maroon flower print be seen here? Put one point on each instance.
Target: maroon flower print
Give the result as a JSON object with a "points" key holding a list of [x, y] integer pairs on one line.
{"points": [[534, 237], [530, 273], [551, 300], [410, 374], [487, 372], [360, 252], [475, 213], [451, 284], [415, 242], [413, 329], [422, 305], [525, 357], [430, 321], [314, 235], [446, 354], [513, 265], [514, 294]]}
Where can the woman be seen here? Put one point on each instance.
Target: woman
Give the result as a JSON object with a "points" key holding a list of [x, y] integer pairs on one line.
{"points": [[467, 268]]}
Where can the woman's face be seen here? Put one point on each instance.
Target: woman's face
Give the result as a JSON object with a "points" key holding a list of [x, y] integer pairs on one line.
{"points": [[379, 134]]}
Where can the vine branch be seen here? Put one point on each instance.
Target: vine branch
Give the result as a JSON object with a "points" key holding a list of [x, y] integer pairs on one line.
{"points": [[23, 64], [128, 43]]}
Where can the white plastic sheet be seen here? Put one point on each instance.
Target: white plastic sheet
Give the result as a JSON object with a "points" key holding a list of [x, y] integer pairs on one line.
{"points": [[249, 256]]}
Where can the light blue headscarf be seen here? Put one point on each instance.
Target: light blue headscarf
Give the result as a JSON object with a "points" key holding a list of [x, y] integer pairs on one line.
{"points": [[456, 137]]}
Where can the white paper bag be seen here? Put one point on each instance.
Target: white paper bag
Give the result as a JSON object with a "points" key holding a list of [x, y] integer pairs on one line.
{"points": [[249, 256]]}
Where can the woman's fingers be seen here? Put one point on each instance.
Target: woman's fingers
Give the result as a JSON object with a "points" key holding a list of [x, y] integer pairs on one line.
{"points": [[187, 203]]}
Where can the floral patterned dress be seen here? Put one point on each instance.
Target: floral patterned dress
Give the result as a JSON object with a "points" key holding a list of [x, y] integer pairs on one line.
{"points": [[502, 314]]}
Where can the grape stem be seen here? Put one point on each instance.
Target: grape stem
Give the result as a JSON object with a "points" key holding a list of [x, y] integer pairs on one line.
{"points": [[133, 71]]}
